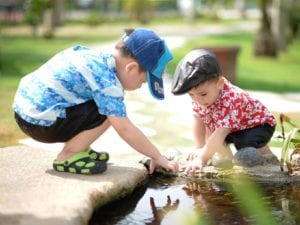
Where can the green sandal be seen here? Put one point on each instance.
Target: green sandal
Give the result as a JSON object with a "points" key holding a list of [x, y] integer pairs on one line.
{"points": [[98, 156], [80, 163]]}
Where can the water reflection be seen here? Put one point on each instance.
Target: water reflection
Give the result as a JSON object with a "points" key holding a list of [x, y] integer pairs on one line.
{"points": [[160, 212], [285, 203], [214, 203], [116, 211], [168, 201]]}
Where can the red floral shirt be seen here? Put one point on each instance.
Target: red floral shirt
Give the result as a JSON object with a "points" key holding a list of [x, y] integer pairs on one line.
{"points": [[234, 109]]}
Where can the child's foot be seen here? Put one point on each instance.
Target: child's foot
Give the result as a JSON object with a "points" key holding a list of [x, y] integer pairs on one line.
{"points": [[98, 156], [80, 163]]}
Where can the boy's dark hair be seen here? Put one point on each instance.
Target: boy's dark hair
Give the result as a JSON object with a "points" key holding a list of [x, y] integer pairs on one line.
{"points": [[196, 67], [123, 48]]}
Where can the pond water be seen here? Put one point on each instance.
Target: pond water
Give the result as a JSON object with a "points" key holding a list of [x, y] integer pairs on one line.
{"points": [[181, 201]]}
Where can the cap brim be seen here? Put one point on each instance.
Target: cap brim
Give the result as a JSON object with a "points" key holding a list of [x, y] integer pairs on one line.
{"points": [[182, 84], [156, 86], [183, 80]]}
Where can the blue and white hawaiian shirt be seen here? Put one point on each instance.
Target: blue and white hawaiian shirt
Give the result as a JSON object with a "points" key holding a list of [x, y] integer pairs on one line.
{"points": [[73, 76]]}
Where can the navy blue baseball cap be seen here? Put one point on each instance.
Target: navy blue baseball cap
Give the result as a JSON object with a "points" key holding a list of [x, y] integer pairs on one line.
{"points": [[153, 54]]}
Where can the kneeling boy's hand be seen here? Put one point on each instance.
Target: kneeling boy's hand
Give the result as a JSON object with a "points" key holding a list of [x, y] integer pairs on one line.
{"points": [[194, 153], [163, 162], [193, 166]]}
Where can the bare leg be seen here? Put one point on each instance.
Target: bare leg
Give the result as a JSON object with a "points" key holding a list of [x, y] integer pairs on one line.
{"points": [[82, 141]]}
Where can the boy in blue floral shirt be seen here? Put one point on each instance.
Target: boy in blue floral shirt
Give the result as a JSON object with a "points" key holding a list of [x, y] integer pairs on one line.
{"points": [[79, 93]]}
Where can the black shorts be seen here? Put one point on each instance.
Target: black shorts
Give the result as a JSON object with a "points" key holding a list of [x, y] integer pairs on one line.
{"points": [[256, 137], [80, 117]]}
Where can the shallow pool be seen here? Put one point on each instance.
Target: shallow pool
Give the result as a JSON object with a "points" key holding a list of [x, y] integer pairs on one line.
{"points": [[173, 201]]}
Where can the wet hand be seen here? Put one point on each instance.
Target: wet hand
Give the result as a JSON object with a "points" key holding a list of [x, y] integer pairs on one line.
{"points": [[163, 162], [194, 166], [194, 153]]}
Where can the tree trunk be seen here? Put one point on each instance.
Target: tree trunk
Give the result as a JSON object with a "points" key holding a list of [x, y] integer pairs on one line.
{"points": [[48, 24], [280, 24], [53, 17], [58, 13], [265, 44]]}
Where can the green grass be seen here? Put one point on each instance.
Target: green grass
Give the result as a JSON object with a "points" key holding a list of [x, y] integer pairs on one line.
{"points": [[22, 54], [9, 132]]}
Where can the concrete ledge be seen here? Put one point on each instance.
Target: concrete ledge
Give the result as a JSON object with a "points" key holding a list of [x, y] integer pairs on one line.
{"points": [[33, 193]]}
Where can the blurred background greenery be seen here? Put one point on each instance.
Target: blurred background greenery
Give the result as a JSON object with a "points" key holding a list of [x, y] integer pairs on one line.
{"points": [[31, 31]]}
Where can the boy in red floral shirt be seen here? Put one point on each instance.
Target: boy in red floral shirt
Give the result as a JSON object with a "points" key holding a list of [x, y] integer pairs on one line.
{"points": [[223, 112]]}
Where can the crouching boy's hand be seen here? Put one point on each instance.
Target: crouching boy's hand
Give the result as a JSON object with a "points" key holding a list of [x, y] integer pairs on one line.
{"points": [[163, 162]]}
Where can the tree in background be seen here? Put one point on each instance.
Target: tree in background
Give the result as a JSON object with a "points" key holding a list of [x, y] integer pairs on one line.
{"points": [[48, 12], [275, 32], [294, 18], [280, 24], [265, 43], [140, 10], [34, 13]]}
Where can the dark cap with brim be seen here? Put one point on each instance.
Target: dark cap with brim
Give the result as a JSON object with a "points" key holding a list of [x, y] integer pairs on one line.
{"points": [[196, 67]]}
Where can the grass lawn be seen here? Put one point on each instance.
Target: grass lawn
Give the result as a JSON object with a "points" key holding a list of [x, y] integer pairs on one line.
{"points": [[21, 54]]}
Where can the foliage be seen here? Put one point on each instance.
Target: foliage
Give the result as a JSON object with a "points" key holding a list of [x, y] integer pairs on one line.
{"points": [[249, 196], [139, 10], [35, 10], [292, 138], [94, 19], [294, 20]]}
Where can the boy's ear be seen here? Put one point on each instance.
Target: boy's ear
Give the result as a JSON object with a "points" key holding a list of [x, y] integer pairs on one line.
{"points": [[131, 66]]}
